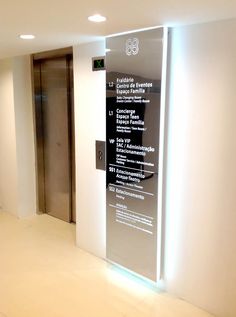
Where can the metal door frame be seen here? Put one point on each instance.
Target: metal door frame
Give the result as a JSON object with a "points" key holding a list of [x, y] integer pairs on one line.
{"points": [[36, 60]]}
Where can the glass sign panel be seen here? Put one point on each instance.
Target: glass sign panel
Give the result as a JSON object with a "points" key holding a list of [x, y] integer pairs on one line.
{"points": [[133, 102]]}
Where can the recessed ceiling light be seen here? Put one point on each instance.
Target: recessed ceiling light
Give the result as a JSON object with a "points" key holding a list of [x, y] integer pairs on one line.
{"points": [[97, 18], [27, 36]]}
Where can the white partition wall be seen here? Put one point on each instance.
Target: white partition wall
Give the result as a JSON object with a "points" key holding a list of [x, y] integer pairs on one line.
{"points": [[17, 159], [200, 240], [8, 163], [90, 91], [24, 127]]}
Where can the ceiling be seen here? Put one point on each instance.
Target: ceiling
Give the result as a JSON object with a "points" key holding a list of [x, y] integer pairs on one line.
{"points": [[61, 23]]}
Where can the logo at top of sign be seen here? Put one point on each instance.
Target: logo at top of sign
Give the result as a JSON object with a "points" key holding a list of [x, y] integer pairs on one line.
{"points": [[132, 46]]}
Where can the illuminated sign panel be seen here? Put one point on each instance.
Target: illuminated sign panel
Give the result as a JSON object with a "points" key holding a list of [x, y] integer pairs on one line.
{"points": [[133, 81], [98, 63]]}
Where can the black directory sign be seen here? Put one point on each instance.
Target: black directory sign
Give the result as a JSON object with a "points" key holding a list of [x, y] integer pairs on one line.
{"points": [[133, 104]]}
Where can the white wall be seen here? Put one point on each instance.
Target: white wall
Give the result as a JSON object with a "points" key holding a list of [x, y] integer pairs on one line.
{"points": [[200, 258], [8, 163], [90, 115], [17, 158], [26, 175]]}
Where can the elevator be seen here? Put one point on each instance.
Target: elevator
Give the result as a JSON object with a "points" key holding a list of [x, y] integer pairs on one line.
{"points": [[54, 122]]}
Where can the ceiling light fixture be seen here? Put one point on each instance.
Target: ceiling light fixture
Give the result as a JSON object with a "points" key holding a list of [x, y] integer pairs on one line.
{"points": [[27, 36], [97, 18]]}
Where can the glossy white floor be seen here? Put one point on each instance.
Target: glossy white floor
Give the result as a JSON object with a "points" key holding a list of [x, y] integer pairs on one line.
{"points": [[43, 274]]}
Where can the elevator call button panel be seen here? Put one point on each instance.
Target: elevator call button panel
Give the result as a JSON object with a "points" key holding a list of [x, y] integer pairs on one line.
{"points": [[101, 155]]}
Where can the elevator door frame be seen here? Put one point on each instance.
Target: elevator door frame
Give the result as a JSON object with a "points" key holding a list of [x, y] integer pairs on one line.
{"points": [[38, 114]]}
